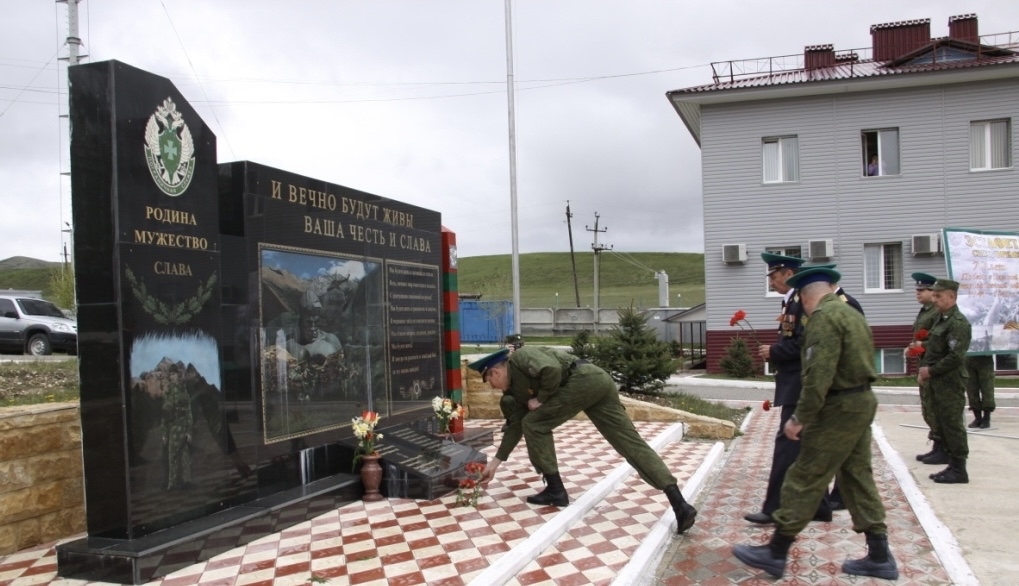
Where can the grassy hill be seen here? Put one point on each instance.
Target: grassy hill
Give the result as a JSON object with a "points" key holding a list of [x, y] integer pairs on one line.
{"points": [[27, 274], [624, 278]]}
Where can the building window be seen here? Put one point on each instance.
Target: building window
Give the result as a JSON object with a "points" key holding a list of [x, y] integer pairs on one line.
{"points": [[1005, 362], [794, 251], [990, 145], [882, 267], [880, 152], [781, 157], [890, 360]]}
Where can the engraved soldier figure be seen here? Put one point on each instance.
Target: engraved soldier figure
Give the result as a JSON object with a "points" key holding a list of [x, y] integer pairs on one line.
{"points": [[832, 422], [943, 367], [177, 428], [548, 387]]}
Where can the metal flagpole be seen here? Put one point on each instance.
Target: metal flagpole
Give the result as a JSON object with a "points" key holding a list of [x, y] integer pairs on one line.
{"points": [[513, 168]]}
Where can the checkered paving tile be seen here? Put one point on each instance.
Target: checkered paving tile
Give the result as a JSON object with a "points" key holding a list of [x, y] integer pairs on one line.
{"points": [[405, 542], [703, 555]]}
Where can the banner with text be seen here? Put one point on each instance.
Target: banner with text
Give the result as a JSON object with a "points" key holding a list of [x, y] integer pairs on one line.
{"points": [[986, 265]]}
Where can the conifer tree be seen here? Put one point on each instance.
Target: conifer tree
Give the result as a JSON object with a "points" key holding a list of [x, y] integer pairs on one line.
{"points": [[634, 355]]}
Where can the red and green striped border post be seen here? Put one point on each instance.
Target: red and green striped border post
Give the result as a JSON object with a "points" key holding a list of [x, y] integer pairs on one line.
{"points": [[451, 317]]}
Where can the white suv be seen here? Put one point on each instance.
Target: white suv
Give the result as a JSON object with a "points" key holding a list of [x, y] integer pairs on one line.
{"points": [[35, 326]]}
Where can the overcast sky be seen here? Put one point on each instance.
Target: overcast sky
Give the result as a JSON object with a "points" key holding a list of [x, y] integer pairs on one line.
{"points": [[407, 99]]}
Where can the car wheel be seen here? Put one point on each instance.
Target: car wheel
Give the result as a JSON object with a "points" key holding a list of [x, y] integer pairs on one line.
{"points": [[39, 345]]}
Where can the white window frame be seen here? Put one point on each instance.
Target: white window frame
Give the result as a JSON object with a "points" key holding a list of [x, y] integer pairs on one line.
{"points": [[982, 147], [885, 272], [998, 367], [882, 354], [889, 160], [786, 156], [795, 251]]}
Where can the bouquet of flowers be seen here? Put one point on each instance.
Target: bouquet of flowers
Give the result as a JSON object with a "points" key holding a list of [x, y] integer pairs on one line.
{"points": [[469, 490], [917, 348], [446, 411], [364, 431]]}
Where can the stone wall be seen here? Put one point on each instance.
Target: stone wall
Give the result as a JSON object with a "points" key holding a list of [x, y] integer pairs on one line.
{"points": [[41, 484], [482, 402]]}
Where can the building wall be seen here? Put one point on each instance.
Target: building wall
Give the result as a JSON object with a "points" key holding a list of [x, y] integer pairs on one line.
{"points": [[834, 200]]}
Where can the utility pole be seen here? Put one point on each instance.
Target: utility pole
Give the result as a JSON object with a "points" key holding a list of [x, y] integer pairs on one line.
{"points": [[597, 249], [573, 259], [74, 55]]}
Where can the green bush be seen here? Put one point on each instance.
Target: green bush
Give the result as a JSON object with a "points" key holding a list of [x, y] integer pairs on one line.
{"points": [[634, 356], [737, 362]]}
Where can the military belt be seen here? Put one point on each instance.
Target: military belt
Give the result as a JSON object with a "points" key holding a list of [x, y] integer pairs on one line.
{"points": [[849, 391], [573, 367]]}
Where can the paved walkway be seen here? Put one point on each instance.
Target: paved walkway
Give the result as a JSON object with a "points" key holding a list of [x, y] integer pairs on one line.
{"points": [[616, 530]]}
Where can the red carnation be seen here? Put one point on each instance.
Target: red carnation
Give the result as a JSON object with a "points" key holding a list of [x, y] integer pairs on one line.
{"points": [[766, 405], [737, 317], [915, 351], [921, 335]]}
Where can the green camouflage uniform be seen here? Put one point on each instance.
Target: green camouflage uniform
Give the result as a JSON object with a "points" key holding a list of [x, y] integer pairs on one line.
{"points": [[945, 360], [925, 320], [836, 408], [565, 389], [980, 385]]}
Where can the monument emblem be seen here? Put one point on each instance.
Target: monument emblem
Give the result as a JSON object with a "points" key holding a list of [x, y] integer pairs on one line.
{"points": [[169, 149]]}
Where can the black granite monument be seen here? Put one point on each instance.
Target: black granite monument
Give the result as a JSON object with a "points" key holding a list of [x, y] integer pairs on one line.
{"points": [[233, 319]]}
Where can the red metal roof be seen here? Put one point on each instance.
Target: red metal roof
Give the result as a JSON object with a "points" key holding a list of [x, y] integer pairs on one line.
{"points": [[844, 71]]}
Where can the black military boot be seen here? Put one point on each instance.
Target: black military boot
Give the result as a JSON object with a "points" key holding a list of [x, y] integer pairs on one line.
{"points": [[878, 563], [978, 419], [770, 558], [934, 449], [938, 457], [954, 474], [554, 493], [985, 421], [685, 513]]}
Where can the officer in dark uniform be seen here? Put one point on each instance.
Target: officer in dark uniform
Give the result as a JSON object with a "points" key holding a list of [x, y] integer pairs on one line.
{"points": [[784, 356], [943, 365], [832, 421], [549, 387], [925, 320]]}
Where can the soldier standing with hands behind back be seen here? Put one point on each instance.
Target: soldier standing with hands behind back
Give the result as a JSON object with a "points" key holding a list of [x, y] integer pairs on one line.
{"points": [[943, 367]]}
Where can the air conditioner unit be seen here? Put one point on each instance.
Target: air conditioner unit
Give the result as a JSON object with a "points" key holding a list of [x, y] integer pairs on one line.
{"points": [[734, 253], [821, 249], [926, 244]]}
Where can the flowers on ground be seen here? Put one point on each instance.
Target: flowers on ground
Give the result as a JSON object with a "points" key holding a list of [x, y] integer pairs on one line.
{"points": [[445, 411], [364, 431], [469, 490]]}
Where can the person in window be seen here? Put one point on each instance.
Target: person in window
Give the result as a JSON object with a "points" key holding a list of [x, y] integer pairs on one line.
{"points": [[873, 170]]}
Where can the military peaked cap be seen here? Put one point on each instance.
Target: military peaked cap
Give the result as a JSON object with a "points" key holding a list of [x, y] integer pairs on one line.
{"points": [[482, 365], [923, 280], [813, 275], [778, 261]]}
